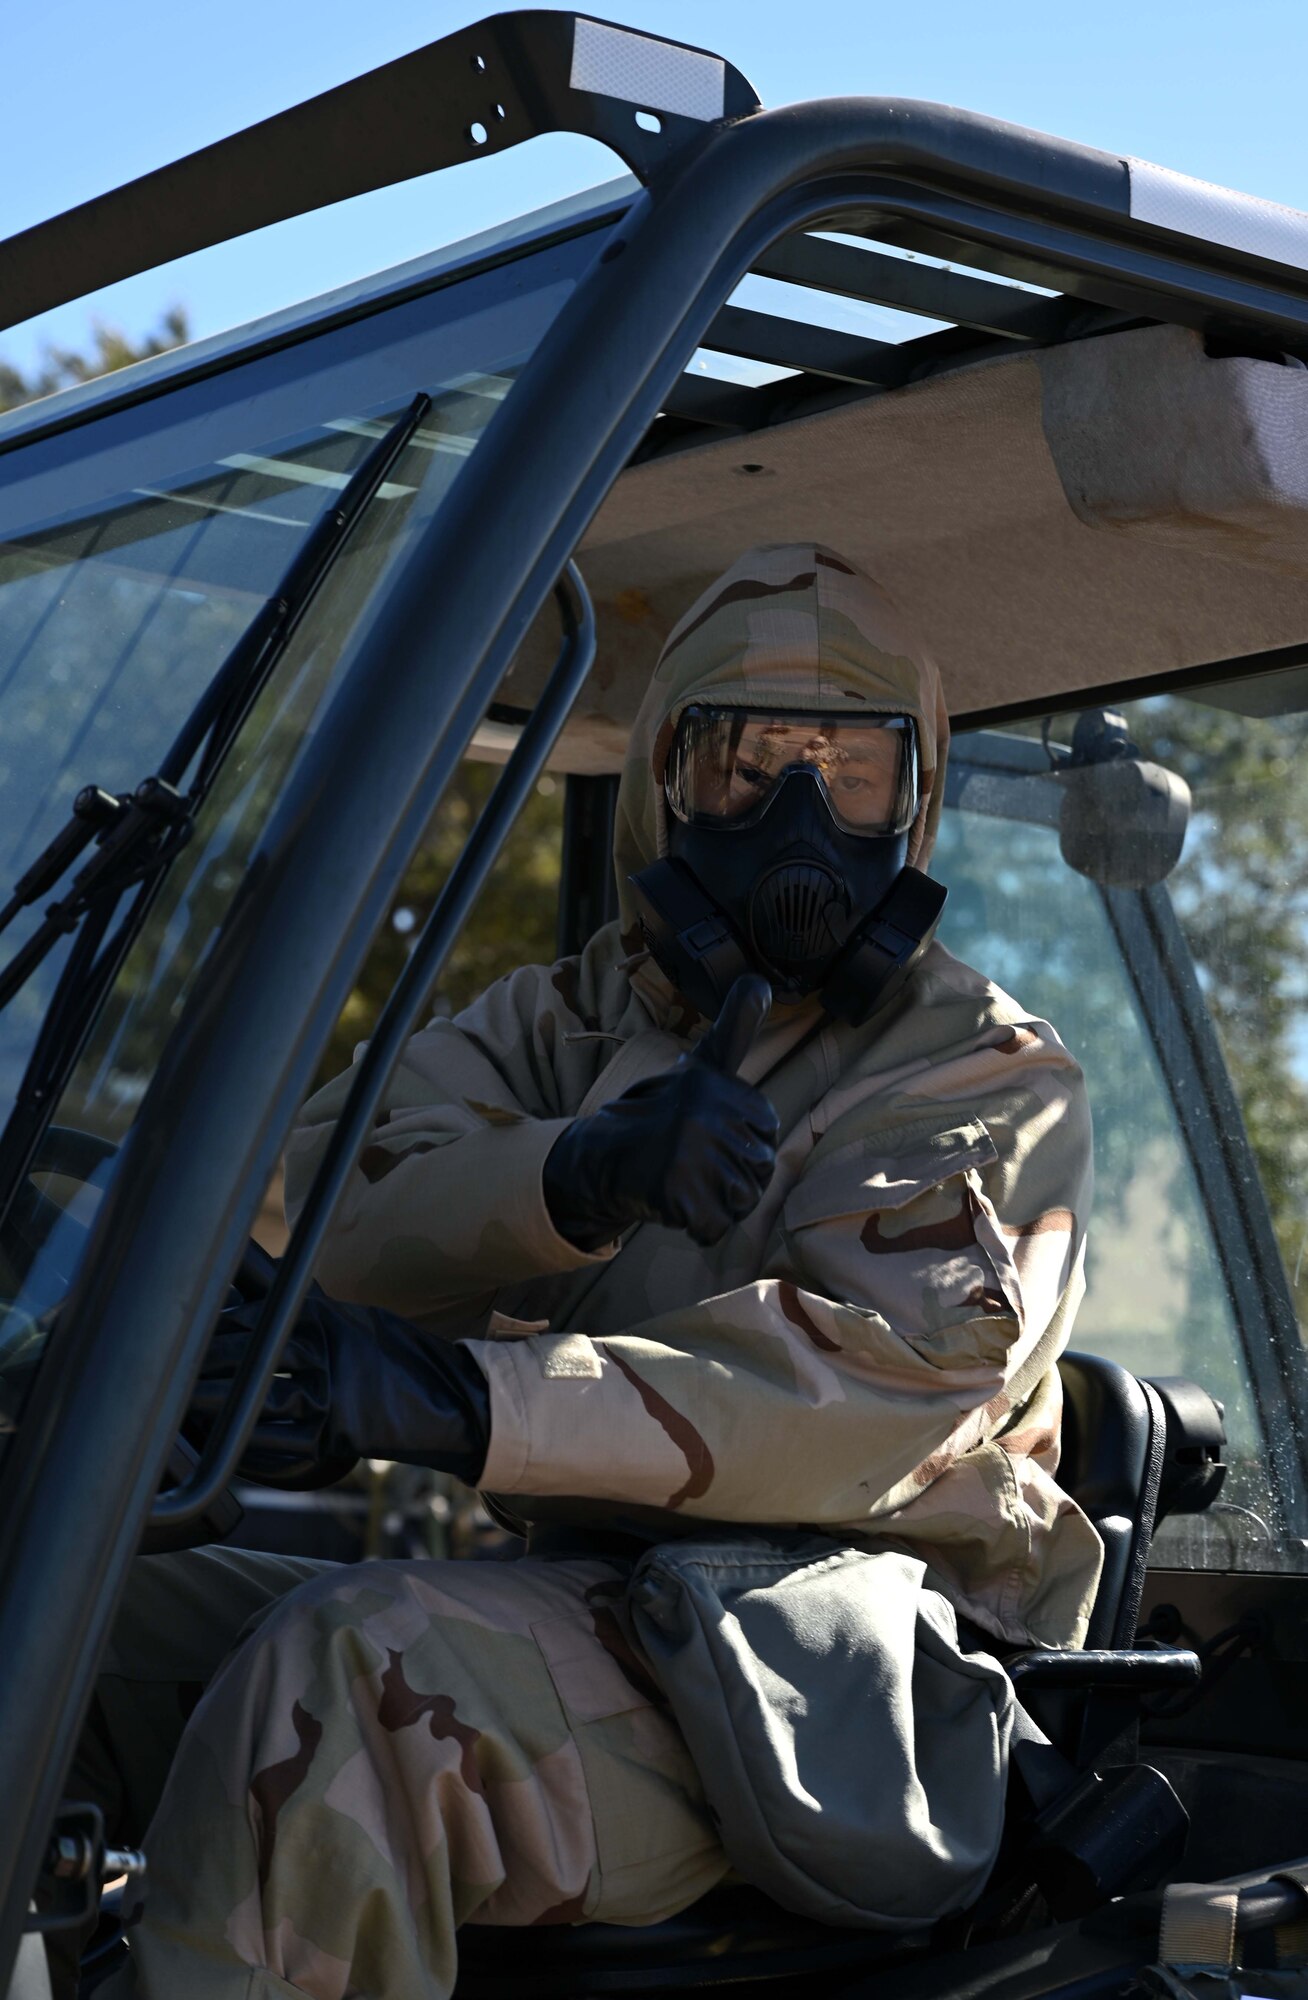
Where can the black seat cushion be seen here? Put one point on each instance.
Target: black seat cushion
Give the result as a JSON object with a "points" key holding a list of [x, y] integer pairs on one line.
{"points": [[1113, 1436], [732, 1933]]}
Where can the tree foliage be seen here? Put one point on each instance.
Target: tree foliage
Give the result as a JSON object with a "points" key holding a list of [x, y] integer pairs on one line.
{"points": [[513, 923], [110, 349], [1241, 892]]}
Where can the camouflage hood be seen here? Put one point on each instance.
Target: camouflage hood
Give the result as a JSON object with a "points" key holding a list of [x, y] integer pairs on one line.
{"points": [[789, 626]]}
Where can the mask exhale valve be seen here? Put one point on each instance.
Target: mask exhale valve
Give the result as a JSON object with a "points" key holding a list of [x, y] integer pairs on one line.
{"points": [[799, 914]]}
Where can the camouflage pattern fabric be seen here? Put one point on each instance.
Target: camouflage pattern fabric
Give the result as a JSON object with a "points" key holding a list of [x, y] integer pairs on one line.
{"points": [[180, 1617], [872, 1351], [401, 1748]]}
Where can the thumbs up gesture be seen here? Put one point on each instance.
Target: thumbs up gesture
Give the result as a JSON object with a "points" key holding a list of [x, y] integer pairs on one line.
{"points": [[692, 1149]]}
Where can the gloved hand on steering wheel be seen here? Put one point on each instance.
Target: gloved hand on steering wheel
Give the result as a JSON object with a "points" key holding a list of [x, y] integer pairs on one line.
{"points": [[352, 1382], [692, 1149]]}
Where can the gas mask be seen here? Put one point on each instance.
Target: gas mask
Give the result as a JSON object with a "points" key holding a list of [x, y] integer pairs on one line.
{"points": [[787, 852]]}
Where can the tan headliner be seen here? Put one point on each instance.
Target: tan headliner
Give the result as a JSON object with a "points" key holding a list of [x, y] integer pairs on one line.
{"points": [[1113, 509]]}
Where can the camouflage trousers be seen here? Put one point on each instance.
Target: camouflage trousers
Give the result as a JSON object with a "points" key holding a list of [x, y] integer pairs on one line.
{"points": [[399, 1748]]}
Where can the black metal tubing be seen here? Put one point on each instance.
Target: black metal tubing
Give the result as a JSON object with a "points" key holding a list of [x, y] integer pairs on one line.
{"points": [[506, 78], [1149, 277], [218, 1461], [913, 288], [789, 343], [588, 889], [78, 1479], [1129, 265]]}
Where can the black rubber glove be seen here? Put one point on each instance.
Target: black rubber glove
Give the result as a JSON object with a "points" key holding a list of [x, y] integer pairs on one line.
{"points": [[693, 1148], [353, 1382]]}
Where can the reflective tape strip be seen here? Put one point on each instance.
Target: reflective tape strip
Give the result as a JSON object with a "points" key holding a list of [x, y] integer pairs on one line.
{"points": [[1291, 1941], [656, 76], [1198, 1929], [1218, 214]]}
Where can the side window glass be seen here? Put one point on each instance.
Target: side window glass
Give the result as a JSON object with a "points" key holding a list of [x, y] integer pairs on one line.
{"points": [[1185, 1004], [404, 1510], [157, 621], [513, 923]]}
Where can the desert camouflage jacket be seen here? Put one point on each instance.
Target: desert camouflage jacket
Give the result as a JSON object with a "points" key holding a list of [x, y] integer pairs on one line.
{"points": [[872, 1350]]}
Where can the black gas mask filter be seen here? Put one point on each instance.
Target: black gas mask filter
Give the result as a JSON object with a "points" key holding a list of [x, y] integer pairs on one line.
{"points": [[780, 863]]}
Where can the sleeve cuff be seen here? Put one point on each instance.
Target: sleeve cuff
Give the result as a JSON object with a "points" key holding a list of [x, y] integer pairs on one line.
{"points": [[518, 1190]]}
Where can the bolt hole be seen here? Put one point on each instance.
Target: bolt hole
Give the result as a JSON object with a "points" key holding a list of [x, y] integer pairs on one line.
{"points": [[648, 122], [479, 64], [612, 250], [500, 112], [477, 135], [751, 469]]}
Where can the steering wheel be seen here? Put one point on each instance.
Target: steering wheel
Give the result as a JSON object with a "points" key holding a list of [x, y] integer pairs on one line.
{"points": [[36, 1223]]}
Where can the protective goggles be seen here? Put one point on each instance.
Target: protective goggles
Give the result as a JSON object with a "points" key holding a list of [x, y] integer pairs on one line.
{"points": [[725, 765]]}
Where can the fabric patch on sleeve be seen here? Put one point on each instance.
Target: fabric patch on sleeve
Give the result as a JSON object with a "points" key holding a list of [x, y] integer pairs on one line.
{"points": [[569, 1355]]}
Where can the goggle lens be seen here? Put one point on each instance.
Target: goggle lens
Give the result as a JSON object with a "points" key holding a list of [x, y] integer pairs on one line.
{"points": [[726, 763]]}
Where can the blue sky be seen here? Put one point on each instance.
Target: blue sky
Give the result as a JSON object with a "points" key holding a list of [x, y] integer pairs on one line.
{"points": [[91, 96]]}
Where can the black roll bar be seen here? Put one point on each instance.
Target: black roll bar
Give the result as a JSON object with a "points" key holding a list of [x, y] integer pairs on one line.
{"points": [[478, 91]]}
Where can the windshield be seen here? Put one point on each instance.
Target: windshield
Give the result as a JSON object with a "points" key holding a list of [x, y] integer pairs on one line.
{"points": [[1186, 1003], [117, 613]]}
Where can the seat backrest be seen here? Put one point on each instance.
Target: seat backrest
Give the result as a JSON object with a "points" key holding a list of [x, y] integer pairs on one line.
{"points": [[1114, 1434]]}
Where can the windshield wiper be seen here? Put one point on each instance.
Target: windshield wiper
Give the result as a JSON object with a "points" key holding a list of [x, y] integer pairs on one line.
{"points": [[138, 833]]}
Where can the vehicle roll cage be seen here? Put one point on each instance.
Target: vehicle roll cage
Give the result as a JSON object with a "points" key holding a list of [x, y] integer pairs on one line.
{"points": [[478, 91], [724, 184]]}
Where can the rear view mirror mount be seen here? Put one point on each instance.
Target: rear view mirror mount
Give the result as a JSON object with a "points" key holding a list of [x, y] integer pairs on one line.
{"points": [[1123, 819]]}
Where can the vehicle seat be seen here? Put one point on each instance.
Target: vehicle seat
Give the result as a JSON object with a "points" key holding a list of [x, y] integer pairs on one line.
{"points": [[1114, 1445]]}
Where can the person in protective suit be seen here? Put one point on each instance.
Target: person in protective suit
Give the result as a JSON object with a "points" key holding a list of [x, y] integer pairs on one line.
{"points": [[633, 1251]]}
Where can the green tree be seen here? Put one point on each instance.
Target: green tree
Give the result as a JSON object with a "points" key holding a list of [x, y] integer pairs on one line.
{"points": [[110, 348], [1241, 892], [512, 924]]}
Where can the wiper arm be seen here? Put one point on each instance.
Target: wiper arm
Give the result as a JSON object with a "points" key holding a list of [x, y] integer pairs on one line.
{"points": [[139, 833]]}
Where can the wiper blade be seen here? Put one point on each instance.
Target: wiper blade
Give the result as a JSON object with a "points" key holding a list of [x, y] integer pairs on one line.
{"points": [[139, 833], [231, 694]]}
